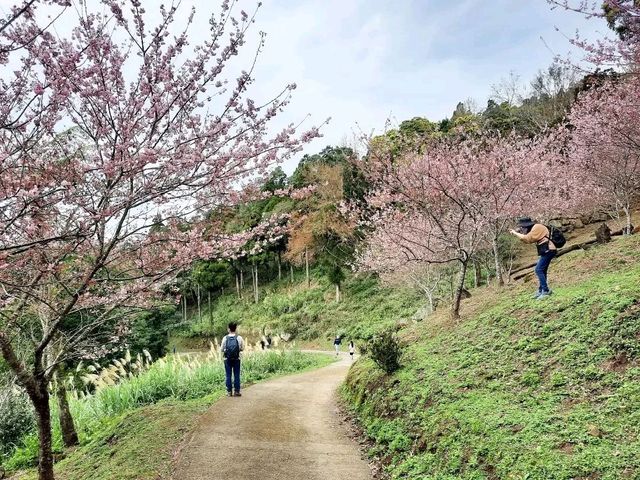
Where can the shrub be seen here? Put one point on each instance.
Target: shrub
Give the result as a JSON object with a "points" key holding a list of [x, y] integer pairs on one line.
{"points": [[16, 418], [384, 349]]}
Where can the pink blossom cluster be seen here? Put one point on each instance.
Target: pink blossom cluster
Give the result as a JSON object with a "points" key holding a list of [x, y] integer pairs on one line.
{"points": [[622, 51]]}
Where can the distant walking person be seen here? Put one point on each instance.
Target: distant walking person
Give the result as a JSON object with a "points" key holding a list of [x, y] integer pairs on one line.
{"points": [[532, 232], [352, 349], [336, 344], [232, 345]]}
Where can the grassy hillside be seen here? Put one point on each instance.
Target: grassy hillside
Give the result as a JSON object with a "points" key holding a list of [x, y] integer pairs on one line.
{"points": [[518, 388], [310, 313]]}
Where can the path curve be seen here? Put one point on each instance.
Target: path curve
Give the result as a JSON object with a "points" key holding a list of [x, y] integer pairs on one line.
{"points": [[287, 428]]}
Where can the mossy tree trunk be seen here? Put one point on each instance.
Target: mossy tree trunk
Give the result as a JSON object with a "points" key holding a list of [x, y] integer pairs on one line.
{"points": [[67, 426]]}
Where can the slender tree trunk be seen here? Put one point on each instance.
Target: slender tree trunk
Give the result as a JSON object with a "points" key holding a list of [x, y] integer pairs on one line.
{"points": [[199, 305], [43, 416], [627, 212], [498, 261], [291, 270], [184, 308], [306, 262], [238, 285], [241, 279], [209, 307], [337, 292], [430, 298], [253, 282], [279, 267], [256, 294], [67, 427], [477, 274], [455, 306]]}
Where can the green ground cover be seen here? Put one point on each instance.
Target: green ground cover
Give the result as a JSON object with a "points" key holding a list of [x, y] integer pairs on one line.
{"points": [[518, 388]]}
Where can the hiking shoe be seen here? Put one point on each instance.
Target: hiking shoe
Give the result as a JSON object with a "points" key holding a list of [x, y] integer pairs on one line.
{"points": [[229, 394], [544, 294], [237, 394], [537, 294]]}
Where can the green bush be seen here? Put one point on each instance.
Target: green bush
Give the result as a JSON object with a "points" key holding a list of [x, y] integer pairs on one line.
{"points": [[16, 418], [384, 349]]}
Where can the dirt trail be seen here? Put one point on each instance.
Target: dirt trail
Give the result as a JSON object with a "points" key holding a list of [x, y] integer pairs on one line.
{"points": [[285, 428]]}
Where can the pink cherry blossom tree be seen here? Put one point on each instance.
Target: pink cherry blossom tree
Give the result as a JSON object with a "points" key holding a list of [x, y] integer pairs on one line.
{"points": [[602, 141], [425, 210], [103, 132], [622, 51], [603, 146], [457, 199]]}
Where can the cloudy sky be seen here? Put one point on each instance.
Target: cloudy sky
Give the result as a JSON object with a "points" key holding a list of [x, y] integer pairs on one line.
{"points": [[363, 61]]}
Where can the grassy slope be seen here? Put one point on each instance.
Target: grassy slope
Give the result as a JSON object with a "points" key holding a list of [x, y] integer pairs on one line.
{"points": [[141, 443], [138, 445], [518, 388], [312, 313]]}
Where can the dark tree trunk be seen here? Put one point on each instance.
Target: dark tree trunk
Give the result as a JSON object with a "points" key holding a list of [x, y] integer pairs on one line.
{"points": [[238, 285], [455, 306], [43, 415], [36, 387], [67, 427], [209, 307], [306, 261]]}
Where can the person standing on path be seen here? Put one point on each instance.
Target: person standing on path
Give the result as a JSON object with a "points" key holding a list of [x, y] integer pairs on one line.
{"points": [[232, 345], [336, 344], [352, 349], [532, 232]]}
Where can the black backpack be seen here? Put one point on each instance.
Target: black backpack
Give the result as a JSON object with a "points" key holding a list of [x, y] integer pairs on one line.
{"points": [[557, 237], [232, 348]]}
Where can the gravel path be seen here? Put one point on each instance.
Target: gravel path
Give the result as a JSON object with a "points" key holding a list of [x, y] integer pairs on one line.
{"points": [[285, 429]]}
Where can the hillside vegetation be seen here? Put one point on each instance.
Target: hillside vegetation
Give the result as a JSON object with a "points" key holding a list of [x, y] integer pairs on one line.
{"points": [[517, 388], [307, 313]]}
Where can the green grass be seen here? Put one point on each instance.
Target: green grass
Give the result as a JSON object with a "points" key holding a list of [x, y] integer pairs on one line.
{"points": [[116, 453], [155, 409], [518, 389], [311, 313]]}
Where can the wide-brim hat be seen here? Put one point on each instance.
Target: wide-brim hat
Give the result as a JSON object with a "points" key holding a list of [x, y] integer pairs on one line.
{"points": [[526, 222]]}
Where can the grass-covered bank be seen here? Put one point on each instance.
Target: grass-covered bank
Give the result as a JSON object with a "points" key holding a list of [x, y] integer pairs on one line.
{"points": [[518, 388], [154, 409], [307, 313]]}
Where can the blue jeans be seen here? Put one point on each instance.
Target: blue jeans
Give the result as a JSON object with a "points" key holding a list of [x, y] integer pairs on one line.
{"points": [[542, 268], [229, 367]]}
